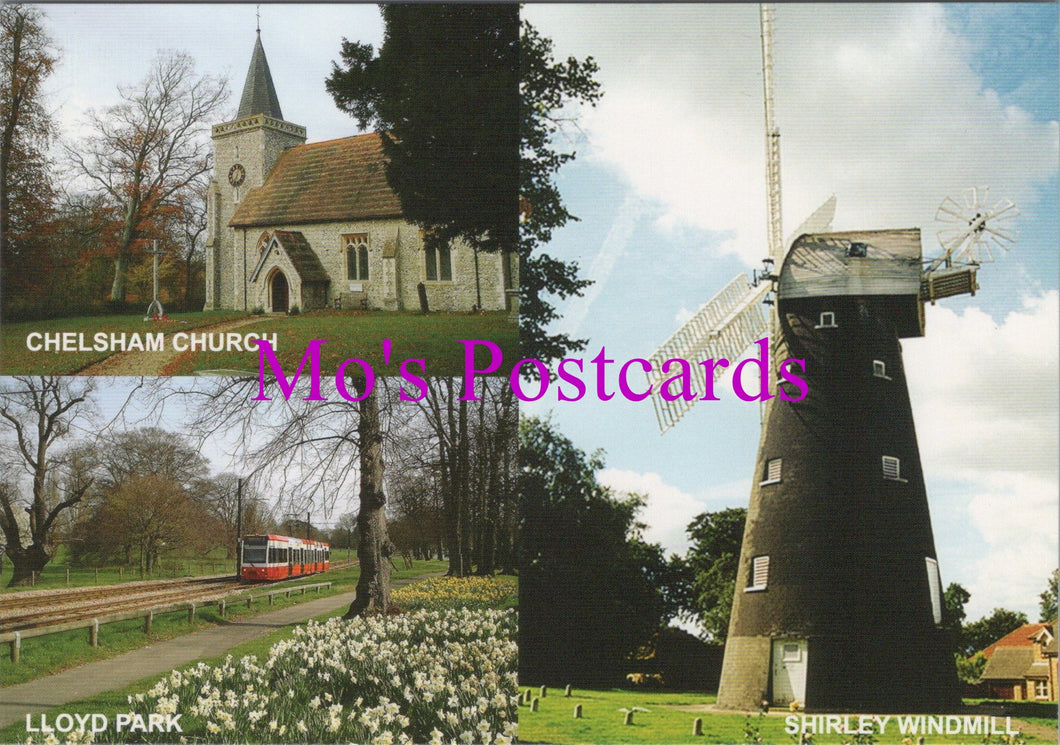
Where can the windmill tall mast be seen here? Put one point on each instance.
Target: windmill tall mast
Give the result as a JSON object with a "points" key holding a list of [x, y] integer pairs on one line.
{"points": [[775, 224]]}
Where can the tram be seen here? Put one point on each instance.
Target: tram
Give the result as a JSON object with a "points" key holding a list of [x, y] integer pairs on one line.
{"points": [[272, 557]]}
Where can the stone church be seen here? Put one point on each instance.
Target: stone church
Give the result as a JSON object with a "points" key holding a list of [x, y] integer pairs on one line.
{"points": [[317, 225]]}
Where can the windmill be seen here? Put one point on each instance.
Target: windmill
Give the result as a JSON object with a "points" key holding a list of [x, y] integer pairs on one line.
{"points": [[838, 600]]}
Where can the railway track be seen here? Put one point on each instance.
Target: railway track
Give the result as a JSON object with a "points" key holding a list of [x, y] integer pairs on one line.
{"points": [[47, 611], [27, 610]]}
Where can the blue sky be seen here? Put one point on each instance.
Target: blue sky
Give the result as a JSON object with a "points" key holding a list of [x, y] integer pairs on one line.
{"points": [[891, 107]]}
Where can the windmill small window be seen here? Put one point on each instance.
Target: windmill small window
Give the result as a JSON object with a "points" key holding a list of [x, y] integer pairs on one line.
{"points": [[772, 472], [934, 588], [892, 468], [879, 369], [858, 250], [759, 578], [826, 320]]}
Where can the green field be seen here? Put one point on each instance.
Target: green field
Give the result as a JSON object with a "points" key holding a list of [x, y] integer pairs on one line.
{"points": [[669, 719], [16, 359], [47, 655]]}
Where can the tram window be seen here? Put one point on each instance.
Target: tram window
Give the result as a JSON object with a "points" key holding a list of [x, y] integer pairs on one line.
{"points": [[253, 554]]}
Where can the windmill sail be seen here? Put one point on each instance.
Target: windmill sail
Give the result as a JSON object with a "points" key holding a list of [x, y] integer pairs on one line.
{"points": [[724, 327]]}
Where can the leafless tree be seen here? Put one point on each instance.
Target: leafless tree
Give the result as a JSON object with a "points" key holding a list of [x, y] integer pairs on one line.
{"points": [[473, 457], [149, 148], [314, 451], [37, 414]]}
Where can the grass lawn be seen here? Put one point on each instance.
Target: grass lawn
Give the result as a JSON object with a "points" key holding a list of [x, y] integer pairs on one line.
{"points": [[433, 338], [670, 716], [47, 655], [16, 359]]}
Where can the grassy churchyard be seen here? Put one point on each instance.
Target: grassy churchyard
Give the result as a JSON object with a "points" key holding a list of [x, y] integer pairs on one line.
{"points": [[668, 718], [433, 338]]}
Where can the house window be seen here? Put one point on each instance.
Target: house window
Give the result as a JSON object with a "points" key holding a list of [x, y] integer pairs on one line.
{"points": [[827, 320], [892, 468], [934, 588], [879, 369], [759, 574], [439, 263], [356, 256], [772, 472], [1041, 689]]}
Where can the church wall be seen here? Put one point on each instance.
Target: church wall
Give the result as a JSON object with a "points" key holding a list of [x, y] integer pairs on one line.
{"points": [[393, 237]]}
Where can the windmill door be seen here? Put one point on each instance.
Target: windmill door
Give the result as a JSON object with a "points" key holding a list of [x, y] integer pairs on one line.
{"points": [[789, 671]]}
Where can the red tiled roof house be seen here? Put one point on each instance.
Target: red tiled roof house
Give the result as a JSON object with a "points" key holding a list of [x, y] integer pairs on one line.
{"points": [[1023, 664], [317, 225]]}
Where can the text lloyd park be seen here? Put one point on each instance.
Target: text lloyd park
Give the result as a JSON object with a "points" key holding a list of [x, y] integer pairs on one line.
{"points": [[96, 723]]}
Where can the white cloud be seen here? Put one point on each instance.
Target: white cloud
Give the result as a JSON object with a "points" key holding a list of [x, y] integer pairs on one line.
{"points": [[877, 103], [1017, 516], [985, 395], [668, 509]]}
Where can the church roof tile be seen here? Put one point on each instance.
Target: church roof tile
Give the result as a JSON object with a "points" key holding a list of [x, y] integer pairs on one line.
{"points": [[329, 181]]}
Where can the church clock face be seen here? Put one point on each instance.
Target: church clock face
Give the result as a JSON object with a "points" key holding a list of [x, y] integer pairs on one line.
{"points": [[236, 175]]}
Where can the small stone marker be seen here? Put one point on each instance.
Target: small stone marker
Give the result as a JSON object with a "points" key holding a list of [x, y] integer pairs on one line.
{"points": [[629, 717], [544, 691], [578, 711], [533, 704], [566, 691], [697, 727], [529, 695]]}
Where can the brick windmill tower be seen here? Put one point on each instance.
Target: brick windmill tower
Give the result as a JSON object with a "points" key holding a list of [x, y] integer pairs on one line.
{"points": [[838, 601]]}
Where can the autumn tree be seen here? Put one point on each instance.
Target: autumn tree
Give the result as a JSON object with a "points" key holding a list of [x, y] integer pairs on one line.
{"points": [[148, 149], [27, 58], [38, 415]]}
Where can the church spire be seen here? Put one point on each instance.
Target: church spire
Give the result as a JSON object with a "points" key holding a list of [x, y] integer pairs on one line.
{"points": [[259, 94]]}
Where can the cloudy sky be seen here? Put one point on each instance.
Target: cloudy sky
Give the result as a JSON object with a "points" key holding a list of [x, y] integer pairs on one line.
{"points": [[891, 107]]}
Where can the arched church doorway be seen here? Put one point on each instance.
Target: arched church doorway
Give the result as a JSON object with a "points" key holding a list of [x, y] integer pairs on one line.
{"points": [[279, 293]]}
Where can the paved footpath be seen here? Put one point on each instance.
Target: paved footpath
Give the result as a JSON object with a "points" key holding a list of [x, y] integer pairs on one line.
{"points": [[94, 678]]}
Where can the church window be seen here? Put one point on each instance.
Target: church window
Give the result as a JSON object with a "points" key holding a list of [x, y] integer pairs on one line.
{"points": [[827, 320], [772, 472], [356, 256], [439, 263], [759, 578]]}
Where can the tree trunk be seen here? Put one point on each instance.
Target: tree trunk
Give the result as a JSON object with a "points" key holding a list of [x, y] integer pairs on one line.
{"points": [[26, 561], [374, 547]]}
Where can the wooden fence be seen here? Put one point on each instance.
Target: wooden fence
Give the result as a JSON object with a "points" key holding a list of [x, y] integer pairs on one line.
{"points": [[14, 638]]}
